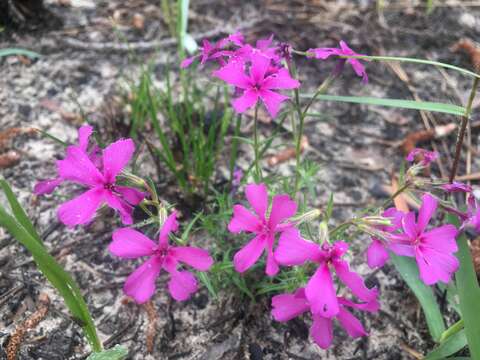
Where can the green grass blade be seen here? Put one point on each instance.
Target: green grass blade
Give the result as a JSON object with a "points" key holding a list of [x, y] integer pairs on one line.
{"points": [[205, 279], [60, 279], [116, 353], [417, 61], [15, 51], [50, 136], [449, 347], [409, 271], [397, 103], [19, 213]]}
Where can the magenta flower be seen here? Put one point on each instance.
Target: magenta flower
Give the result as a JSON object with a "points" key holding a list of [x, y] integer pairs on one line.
{"points": [[324, 53], [426, 156], [258, 84], [264, 228], [140, 285], [457, 187], [288, 306], [377, 254], [216, 51], [79, 168], [433, 250], [49, 185], [320, 290], [472, 216]]}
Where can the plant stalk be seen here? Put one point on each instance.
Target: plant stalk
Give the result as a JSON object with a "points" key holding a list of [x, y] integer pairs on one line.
{"points": [[258, 171]]}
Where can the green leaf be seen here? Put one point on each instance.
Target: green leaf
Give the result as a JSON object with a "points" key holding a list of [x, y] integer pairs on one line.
{"points": [[397, 103], [449, 347], [118, 352], [54, 138], [468, 292], [60, 279], [15, 51], [205, 279], [408, 269]]}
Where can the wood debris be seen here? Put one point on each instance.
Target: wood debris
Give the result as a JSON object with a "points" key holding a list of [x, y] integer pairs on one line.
{"points": [[152, 325], [468, 46], [9, 159]]}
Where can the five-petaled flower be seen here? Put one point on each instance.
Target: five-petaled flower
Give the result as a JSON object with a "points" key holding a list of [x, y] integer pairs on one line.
{"points": [[265, 229], [320, 290], [258, 84], [425, 157], [433, 250], [140, 285], [79, 168], [288, 306], [344, 50]]}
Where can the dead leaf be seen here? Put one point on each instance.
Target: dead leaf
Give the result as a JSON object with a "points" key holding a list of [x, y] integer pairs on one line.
{"points": [[56, 107], [287, 154], [6, 136], [471, 49], [399, 200], [475, 250], [152, 325], [9, 159], [138, 21]]}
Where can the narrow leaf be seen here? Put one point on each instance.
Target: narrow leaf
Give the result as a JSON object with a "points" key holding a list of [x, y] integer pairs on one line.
{"points": [[449, 347], [116, 353], [15, 51]]}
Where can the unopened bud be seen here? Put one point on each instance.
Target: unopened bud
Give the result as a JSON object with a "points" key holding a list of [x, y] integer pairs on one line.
{"points": [[323, 233]]}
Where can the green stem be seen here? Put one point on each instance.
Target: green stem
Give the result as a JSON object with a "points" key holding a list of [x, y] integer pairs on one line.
{"points": [[234, 153], [452, 330], [398, 192], [258, 171]]}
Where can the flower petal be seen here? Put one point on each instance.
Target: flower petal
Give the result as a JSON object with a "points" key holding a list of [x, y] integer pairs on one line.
{"points": [[293, 250], [243, 220], [409, 225], [79, 168], [322, 331], [115, 157], [353, 281], [272, 101], [170, 225], [272, 266], [188, 61], [140, 285], [233, 73], [46, 186], [197, 258], [283, 208], [323, 53], [124, 209], [258, 69], [428, 208], [288, 306], [129, 243], [182, 285], [377, 255], [80, 210], [435, 266], [257, 196], [249, 254], [350, 323], [83, 136], [441, 239], [321, 293], [132, 195], [246, 101], [280, 80]]}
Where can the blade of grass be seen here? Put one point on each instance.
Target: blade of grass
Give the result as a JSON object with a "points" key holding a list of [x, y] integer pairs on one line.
{"points": [[398, 103], [452, 345], [16, 51], [409, 271]]}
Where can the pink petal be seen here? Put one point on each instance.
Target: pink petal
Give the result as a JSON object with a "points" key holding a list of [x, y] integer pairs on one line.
{"points": [[377, 255], [435, 266], [243, 220], [321, 293], [371, 306], [246, 101], [123, 208], [293, 250], [182, 285], [233, 73], [115, 157], [272, 101], [188, 61], [81, 209], [170, 225], [288, 306], [323, 53], [249, 254], [353, 281], [129, 243], [283, 208], [257, 196], [77, 167], [197, 258], [83, 136], [260, 64], [140, 285], [322, 331], [428, 208], [359, 69], [132, 195], [402, 249], [272, 266], [46, 186], [409, 226], [280, 80], [441, 239], [350, 323]]}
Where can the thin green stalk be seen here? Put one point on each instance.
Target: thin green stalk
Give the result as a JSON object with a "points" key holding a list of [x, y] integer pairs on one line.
{"points": [[234, 152], [258, 171], [452, 330]]}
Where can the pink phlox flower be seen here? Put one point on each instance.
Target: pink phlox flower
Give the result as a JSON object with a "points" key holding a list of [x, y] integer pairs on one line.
{"points": [[344, 50], [425, 156], [218, 51], [288, 306], [433, 250], [265, 228], [320, 291], [49, 185], [377, 253], [457, 187], [79, 168], [257, 84], [140, 285], [472, 215]]}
